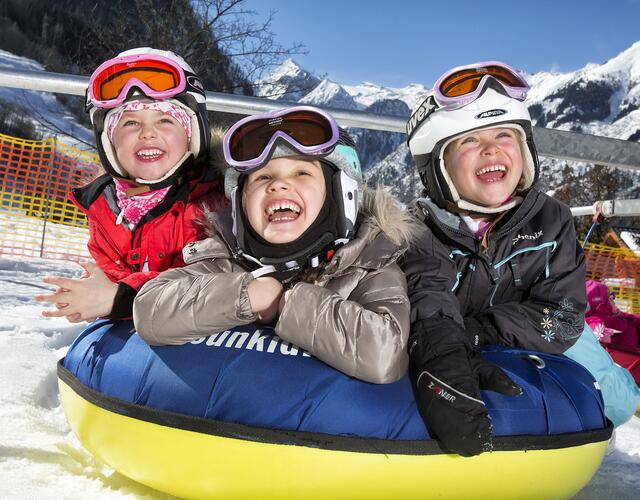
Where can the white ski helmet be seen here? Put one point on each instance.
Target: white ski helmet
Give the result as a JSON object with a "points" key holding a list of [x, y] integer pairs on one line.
{"points": [[432, 128], [192, 99]]}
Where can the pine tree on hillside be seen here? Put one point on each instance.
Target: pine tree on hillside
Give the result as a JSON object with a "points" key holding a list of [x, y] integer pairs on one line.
{"points": [[217, 37], [598, 183]]}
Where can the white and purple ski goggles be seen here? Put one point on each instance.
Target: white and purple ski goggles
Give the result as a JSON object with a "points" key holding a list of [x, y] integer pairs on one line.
{"points": [[464, 84], [249, 143]]}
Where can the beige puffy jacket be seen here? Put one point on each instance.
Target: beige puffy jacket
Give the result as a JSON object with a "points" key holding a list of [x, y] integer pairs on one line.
{"points": [[355, 318]]}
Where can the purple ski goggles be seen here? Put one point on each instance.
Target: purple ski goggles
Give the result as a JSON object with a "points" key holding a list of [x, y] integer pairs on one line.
{"points": [[464, 84], [248, 144]]}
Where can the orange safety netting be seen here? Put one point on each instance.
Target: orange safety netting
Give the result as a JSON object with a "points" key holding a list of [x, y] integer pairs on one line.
{"points": [[619, 269], [36, 218]]}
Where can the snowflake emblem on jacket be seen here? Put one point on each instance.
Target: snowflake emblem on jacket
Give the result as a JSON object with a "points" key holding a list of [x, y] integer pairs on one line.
{"points": [[569, 323], [566, 305], [565, 322], [549, 336]]}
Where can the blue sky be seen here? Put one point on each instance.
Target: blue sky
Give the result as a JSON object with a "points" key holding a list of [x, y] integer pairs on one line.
{"points": [[397, 42]]}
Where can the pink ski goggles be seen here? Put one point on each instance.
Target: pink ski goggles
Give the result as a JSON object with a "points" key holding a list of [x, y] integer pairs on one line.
{"points": [[157, 76], [464, 84]]}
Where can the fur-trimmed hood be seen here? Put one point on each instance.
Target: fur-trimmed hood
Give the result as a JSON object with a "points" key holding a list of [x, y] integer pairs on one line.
{"points": [[388, 217]]}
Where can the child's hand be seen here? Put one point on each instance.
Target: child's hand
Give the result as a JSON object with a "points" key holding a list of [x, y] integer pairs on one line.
{"points": [[80, 299], [451, 376], [264, 296]]}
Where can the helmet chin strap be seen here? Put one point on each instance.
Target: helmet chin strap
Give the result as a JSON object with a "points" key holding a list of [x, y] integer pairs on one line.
{"points": [[468, 208], [305, 260], [289, 272]]}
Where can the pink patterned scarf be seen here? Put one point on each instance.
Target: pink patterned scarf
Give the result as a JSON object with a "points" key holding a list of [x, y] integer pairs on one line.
{"points": [[478, 226], [134, 208]]}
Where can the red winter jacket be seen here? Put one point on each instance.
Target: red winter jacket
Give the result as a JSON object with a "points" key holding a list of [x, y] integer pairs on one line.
{"points": [[133, 257]]}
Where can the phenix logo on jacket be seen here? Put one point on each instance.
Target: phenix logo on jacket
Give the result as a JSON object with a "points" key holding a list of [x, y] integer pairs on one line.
{"points": [[534, 236]]}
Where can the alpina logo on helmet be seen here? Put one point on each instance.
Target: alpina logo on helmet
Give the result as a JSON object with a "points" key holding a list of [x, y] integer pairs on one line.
{"points": [[423, 111], [490, 113], [195, 82]]}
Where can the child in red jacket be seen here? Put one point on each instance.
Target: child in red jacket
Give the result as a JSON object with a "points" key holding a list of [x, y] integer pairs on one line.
{"points": [[148, 113]]}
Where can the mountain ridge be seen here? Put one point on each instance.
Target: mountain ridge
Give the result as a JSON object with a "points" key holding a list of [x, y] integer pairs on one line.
{"points": [[599, 99]]}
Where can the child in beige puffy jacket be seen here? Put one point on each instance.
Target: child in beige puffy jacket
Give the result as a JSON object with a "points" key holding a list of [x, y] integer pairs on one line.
{"points": [[305, 248]]}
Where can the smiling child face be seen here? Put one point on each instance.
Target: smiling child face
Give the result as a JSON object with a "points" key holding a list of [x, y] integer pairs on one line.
{"points": [[283, 198], [148, 143], [485, 166]]}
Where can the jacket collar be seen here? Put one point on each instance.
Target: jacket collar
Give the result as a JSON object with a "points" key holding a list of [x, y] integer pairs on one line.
{"points": [[453, 225], [86, 195], [220, 242], [371, 249]]}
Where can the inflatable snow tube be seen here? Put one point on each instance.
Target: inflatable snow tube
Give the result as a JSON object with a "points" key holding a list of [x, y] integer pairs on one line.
{"points": [[243, 414]]}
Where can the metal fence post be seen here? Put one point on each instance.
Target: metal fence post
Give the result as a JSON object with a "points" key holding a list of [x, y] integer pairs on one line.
{"points": [[47, 193]]}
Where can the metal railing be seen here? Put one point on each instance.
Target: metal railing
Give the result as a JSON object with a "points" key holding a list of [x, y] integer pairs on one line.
{"points": [[610, 208], [550, 143]]}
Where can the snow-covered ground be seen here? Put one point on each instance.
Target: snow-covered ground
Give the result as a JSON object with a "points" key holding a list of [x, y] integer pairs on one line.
{"points": [[42, 459]]}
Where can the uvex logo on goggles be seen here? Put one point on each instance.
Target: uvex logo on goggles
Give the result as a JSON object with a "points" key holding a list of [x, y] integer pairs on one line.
{"points": [[249, 143]]}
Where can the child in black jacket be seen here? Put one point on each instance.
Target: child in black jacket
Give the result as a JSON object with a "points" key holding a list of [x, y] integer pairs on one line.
{"points": [[498, 262]]}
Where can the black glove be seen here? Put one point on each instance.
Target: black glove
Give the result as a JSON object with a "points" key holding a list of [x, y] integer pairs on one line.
{"points": [[480, 330], [450, 375]]}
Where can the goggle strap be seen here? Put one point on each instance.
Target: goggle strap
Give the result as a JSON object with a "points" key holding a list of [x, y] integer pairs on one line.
{"points": [[421, 113]]}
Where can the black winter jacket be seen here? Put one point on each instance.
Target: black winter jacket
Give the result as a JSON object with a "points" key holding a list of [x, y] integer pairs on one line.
{"points": [[526, 289]]}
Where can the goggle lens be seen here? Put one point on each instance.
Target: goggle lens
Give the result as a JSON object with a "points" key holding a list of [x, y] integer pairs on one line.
{"points": [[305, 127], [157, 75], [467, 80]]}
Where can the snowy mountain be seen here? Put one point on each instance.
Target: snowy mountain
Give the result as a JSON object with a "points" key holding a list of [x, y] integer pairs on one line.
{"points": [[597, 99], [600, 99], [376, 145], [330, 94], [288, 82]]}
